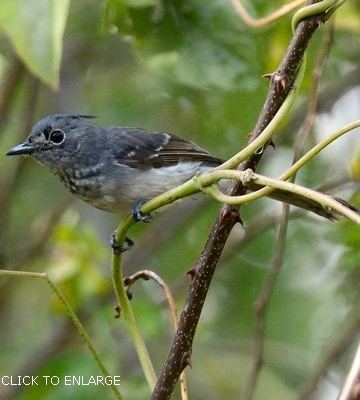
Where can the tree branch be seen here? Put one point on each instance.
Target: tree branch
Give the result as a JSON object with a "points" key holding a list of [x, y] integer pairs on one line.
{"points": [[264, 297], [205, 266]]}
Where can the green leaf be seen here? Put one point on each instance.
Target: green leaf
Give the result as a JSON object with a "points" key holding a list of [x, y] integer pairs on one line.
{"points": [[36, 28]]}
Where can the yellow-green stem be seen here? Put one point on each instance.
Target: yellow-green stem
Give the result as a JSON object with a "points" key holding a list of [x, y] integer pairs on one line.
{"points": [[125, 307], [327, 6], [199, 183], [78, 325], [248, 175], [288, 173]]}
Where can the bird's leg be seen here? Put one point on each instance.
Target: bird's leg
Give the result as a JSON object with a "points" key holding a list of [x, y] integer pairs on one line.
{"points": [[117, 247], [138, 215], [128, 243]]}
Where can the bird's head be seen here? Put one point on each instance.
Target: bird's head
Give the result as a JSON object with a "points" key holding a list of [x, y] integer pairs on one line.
{"points": [[54, 139]]}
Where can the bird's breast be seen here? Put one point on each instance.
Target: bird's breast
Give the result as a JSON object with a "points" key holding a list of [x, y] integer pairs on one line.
{"points": [[83, 182], [91, 184]]}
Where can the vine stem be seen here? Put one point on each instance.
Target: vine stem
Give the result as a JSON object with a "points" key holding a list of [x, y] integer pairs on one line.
{"points": [[200, 182], [258, 142], [280, 85], [125, 307], [203, 183], [299, 164], [266, 135], [148, 274], [263, 21], [326, 6], [78, 325], [245, 177], [264, 296]]}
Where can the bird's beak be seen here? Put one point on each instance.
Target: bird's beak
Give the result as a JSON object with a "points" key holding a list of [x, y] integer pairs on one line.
{"points": [[23, 148]]}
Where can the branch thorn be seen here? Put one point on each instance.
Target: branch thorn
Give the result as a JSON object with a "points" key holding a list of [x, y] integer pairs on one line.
{"points": [[117, 309], [186, 360], [280, 81], [268, 75], [192, 273], [120, 248]]}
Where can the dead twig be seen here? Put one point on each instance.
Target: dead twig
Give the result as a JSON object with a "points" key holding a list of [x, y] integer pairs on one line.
{"points": [[335, 351], [260, 22], [351, 388], [146, 275]]}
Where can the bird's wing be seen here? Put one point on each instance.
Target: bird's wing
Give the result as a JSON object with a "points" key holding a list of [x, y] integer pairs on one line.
{"points": [[140, 149], [143, 150]]}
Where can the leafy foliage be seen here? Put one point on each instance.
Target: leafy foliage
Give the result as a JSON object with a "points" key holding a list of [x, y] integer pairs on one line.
{"points": [[36, 29], [193, 68]]}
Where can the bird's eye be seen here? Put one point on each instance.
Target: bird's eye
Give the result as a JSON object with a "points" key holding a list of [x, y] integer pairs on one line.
{"points": [[57, 136]]}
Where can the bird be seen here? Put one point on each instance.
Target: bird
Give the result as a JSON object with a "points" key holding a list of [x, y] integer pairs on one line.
{"points": [[117, 169]]}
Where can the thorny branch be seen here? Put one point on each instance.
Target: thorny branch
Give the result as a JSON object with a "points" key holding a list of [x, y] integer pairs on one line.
{"points": [[264, 297], [281, 81]]}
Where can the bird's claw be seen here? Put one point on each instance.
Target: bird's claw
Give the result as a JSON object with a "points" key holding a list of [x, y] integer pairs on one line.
{"points": [[138, 215], [120, 248]]}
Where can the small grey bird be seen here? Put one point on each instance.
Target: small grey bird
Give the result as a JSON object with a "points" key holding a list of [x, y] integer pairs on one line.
{"points": [[113, 168]]}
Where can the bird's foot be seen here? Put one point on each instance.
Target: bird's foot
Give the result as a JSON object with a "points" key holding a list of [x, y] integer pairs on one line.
{"points": [[138, 215], [120, 248]]}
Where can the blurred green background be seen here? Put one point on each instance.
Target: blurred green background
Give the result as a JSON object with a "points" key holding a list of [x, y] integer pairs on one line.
{"points": [[191, 68]]}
